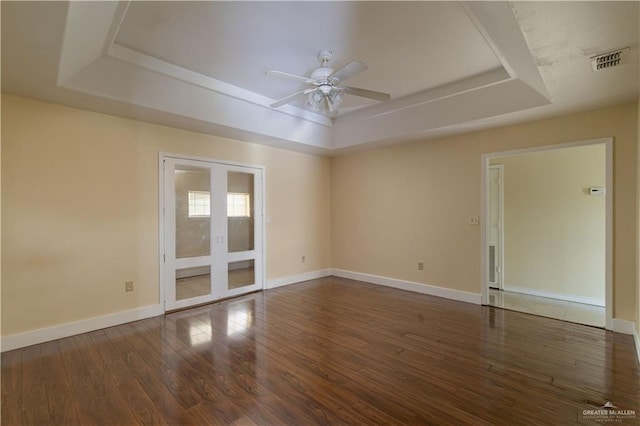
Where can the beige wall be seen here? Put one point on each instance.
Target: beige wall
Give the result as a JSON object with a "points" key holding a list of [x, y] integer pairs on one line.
{"points": [[554, 231], [80, 210], [80, 197], [392, 208]]}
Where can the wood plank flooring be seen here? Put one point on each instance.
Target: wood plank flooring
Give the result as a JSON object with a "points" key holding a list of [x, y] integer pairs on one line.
{"points": [[327, 351]]}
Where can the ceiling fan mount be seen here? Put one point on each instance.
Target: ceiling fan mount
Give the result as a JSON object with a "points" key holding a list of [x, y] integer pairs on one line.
{"points": [[325, 92], [324, 56]]}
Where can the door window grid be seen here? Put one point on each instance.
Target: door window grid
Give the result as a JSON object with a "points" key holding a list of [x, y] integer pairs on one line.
{"points": [[199, 204], [238, 204]]}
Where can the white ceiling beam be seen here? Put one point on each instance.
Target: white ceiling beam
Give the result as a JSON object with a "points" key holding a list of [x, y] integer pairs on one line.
{"points": [[89, 30], [497, 24], [413, 123]]}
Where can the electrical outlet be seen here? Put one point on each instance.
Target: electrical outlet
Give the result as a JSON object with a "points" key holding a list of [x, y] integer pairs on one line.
{"points": [[474, 220], [304, 259], [128, 286], [420, 266]]}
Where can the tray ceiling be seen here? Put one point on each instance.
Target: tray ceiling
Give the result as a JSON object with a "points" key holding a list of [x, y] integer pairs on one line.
{"points": [[449, 67]]}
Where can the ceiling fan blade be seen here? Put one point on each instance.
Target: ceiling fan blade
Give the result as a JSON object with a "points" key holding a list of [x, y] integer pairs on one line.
{"points": [[349, 70], [364, 93], [290, 98], [287, 75]]}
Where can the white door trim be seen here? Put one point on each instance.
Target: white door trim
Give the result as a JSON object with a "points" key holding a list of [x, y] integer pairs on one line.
{"points": [[484, 206], [162, 156]]}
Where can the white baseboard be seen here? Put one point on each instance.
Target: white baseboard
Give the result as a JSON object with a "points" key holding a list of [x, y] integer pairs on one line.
{"points": [[41, 335], [636, 339], [292, 279], [628, 327], [21, 340], [577, 299], [447, 293], [623, 326]]}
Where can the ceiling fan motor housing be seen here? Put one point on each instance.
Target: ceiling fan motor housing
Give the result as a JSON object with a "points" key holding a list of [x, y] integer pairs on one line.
{"points": [[325, 88], [320, 75]]}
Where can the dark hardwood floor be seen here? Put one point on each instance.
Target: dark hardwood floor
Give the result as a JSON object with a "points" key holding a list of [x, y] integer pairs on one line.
{"points": [[328, 351]]}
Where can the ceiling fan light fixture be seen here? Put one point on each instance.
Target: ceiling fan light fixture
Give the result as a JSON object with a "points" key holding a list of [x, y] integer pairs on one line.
{"points": [[316, 97], [336, 97], [315, 100]]}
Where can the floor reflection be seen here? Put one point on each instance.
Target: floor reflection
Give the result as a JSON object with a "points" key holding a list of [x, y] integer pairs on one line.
{"points": [[199, 334], [240, 317]]}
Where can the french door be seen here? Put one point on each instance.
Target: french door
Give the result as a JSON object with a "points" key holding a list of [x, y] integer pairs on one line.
{"points": [[212, 231]]}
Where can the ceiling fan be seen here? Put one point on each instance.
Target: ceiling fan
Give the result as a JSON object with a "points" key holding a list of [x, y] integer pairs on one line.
{"points": [[325, 92]]}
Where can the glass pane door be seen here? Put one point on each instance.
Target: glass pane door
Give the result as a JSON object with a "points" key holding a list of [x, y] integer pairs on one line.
{"points": [[190, 225], [242, 224], [193, 231], [212, 231]]}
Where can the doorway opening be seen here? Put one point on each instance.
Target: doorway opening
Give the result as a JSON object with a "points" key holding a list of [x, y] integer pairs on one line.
{"points": [[547, 231], [496, 226]]}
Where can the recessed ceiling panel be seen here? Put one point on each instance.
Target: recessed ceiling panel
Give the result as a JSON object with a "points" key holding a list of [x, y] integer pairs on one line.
{"points": [[408, 46]]}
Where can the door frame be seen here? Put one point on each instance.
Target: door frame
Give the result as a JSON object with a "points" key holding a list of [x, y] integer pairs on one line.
{"points": [[162, 155], [484, 206], [500, 254]]}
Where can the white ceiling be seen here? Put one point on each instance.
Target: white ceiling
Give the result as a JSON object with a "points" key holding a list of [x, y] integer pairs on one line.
{"points": [[450, 67], [238, 42]]}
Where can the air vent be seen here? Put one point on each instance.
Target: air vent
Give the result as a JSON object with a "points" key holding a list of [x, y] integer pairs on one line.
{"points": [[609, 60]]}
